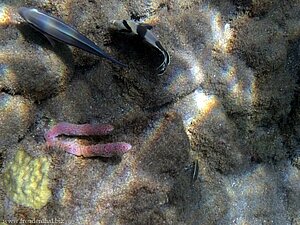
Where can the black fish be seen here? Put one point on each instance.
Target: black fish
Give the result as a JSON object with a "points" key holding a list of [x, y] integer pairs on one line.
{"points": [[54, 28], [144, 31]]}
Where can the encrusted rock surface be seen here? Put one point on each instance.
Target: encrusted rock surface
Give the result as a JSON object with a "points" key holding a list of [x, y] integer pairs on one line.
{"points": [[228, 102], [16, 117]]}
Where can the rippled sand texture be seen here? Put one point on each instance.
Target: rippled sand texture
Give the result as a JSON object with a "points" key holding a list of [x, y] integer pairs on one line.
{"points": [[229, 100]]}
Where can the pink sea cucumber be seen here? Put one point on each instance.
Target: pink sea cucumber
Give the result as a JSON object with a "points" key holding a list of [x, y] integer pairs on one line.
{"points": [[75, 148]]}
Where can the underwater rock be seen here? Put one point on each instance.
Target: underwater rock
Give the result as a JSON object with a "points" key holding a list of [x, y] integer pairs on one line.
{"points": [[293, 191], [16, 116], [65, 106], [213, 136], [136, 189], [229, 100], [267, 145], [262, 49], [256, 196], [256, 7], [46, 75], [95, 96]]}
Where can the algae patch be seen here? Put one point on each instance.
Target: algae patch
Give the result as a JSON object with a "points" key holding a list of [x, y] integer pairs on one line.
{"points": [[26, 180]]}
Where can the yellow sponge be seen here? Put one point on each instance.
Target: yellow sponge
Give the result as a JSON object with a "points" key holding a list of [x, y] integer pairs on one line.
{"points": [[26, 180]]}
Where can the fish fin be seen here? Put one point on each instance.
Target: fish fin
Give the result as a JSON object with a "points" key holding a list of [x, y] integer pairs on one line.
{"points": [[161, 69], [195, 171], [166, 59], [52, 42], [148, 26]]}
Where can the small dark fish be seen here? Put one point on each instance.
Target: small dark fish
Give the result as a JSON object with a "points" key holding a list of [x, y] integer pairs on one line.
{"points": [[54, 28], [144, 31], [195, 170]]}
